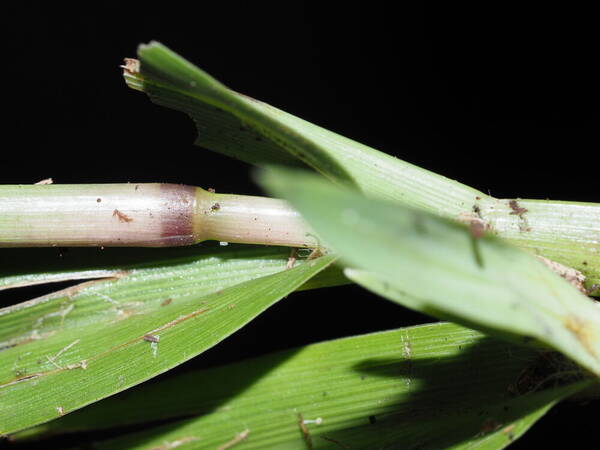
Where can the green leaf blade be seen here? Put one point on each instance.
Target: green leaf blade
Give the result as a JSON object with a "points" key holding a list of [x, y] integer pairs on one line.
{"points": [[482, 282], [74, 348], [411, 387]]}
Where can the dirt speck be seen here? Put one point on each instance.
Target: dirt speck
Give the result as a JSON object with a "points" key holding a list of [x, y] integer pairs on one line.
{"points": [[131, 66], [516, 209], [215, 207], [122, 217], [305, 433], [476, 228]]}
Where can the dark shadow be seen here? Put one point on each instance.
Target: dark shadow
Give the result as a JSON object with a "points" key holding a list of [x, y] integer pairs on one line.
{"points": [[441, 415]]}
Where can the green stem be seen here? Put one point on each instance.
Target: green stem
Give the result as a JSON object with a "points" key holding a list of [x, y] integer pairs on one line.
{"points": [[143, 215], [566, 232]]}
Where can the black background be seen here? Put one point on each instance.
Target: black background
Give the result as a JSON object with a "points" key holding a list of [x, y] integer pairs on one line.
{"points": [[502, 98]]}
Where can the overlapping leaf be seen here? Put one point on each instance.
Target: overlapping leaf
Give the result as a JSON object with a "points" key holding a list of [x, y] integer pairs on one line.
{"points": [[445, 269], [247, 129]]}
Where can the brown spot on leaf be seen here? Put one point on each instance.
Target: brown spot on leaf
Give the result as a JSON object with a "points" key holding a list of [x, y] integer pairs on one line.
{"points": [[516, 209], [583, 332], [122, 217], [477, 225], [476, 228], [166, 302], [215, 207]]}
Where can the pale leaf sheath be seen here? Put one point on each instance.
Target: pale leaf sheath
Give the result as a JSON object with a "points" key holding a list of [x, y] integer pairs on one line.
{"points": [[142, 215]]}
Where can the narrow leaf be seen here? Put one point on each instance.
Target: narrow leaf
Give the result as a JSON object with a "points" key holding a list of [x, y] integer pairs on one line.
{"points": [[77, 346], [31, 266]]}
